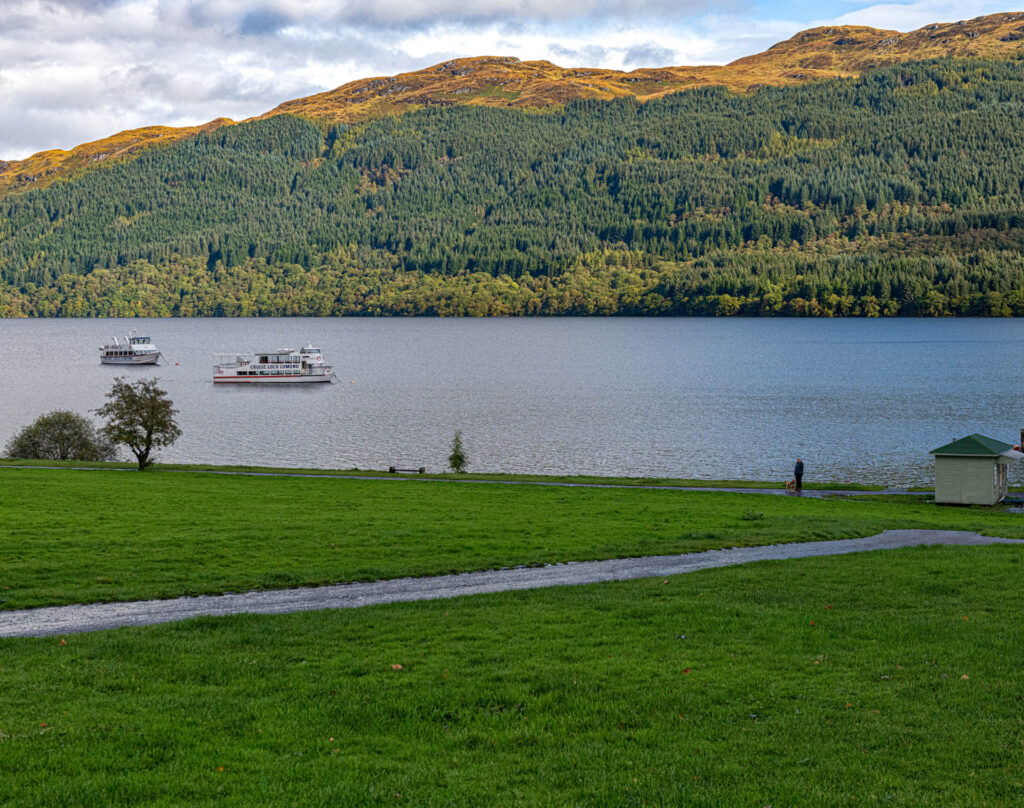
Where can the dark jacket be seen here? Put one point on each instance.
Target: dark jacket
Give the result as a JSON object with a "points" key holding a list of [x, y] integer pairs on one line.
{"points": [[798, 470]]}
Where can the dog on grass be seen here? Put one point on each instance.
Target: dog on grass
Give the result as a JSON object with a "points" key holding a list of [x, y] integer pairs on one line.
{"points": [[791, 485]]}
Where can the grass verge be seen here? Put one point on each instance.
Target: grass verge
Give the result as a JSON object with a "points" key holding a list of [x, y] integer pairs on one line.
{"points": [[85, 536], [580, 479], [883, 678]]}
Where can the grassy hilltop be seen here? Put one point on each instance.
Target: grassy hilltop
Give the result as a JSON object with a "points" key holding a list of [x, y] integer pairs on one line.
{"points": [[502, 81]]}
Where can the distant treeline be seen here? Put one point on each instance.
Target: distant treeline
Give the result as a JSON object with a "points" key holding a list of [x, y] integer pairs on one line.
{"points": [[782, 284], [898, 193]]}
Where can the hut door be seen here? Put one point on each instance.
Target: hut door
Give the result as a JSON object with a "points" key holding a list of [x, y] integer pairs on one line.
{"points": [[1000, 481]]}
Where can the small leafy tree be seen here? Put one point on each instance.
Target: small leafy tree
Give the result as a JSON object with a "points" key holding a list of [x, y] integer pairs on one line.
{"points": [[457, 459], [61, 435], [140, 416]]}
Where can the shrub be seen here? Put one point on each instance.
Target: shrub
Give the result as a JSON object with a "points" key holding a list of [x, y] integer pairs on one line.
{"points": [[60, 435]]}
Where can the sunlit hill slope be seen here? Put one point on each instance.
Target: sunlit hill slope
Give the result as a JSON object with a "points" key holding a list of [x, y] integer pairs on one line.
{"points": [[497, 81]]}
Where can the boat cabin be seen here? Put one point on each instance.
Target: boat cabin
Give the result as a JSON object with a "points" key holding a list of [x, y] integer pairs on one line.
{"points": [[287, 356]]}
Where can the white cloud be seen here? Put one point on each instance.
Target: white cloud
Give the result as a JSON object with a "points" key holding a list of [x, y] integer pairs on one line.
{"points": [[620, 47], [78, 70], [910, 16], [272, 15]]}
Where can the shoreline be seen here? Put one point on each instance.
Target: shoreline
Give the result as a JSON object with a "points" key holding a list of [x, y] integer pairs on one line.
{"points": [[583, 480]]}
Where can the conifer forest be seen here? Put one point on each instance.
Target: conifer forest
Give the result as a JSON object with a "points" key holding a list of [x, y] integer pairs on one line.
{"points": [[897, 193]]}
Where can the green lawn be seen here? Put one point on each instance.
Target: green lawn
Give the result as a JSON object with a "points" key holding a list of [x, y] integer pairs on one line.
{"points": [[887, 678], [540, 478], [79, 536]]}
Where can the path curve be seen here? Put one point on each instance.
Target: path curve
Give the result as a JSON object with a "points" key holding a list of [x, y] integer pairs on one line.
{"points": [[101, 616]]}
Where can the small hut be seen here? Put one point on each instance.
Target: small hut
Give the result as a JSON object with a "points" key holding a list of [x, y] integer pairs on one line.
{"points": [[972, 470]]}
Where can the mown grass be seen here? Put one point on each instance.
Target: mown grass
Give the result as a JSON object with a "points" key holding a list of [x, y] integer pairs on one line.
{"points": [[886, 678], [579, 479], [83, 536]]}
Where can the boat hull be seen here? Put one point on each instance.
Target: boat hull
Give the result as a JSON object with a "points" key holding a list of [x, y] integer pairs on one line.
{"points": [[142, 359], [320, 379]]}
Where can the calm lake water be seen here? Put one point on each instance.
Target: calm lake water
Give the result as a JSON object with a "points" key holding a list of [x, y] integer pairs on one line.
{"points": [[859, 400]]}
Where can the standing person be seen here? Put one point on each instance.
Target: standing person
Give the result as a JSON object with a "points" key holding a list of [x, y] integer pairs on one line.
{"points": [[798, 473]]}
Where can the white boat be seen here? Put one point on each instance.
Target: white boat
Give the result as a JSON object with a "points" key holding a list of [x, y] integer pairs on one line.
{"points": [[283, 366], [135, 350]]}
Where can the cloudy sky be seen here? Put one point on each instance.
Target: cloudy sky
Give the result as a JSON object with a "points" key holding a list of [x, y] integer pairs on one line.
{"points": [[77, 70]]}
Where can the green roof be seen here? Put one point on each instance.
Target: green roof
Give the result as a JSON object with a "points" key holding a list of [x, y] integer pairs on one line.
{"points": [[974, 445]]}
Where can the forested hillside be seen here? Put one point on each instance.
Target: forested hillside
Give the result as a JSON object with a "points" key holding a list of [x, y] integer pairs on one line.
{"points": [[503, 81], [898, 192]]}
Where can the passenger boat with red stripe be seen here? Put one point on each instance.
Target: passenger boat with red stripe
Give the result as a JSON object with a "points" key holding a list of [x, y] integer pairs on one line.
{"points": [[283, 366]]}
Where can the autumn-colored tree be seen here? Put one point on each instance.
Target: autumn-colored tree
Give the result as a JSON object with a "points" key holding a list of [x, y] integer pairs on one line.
{"points": [[139, 416]]}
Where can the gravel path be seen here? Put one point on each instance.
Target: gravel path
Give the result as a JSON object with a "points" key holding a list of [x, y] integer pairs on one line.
{"points": [[100, 616]]}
